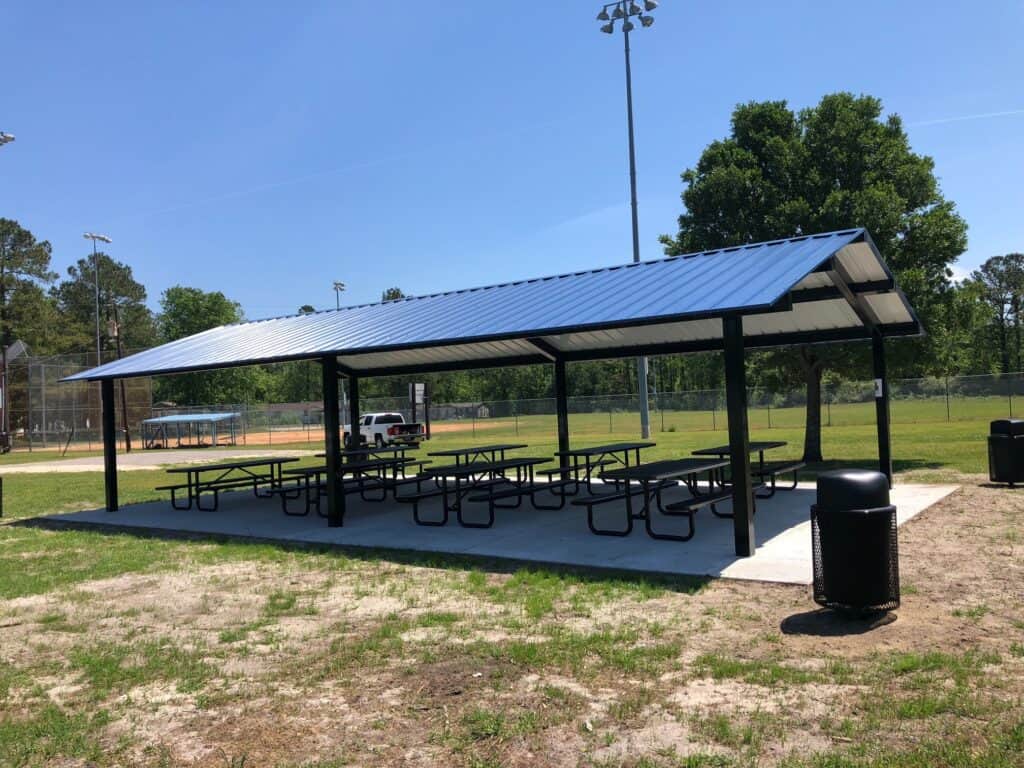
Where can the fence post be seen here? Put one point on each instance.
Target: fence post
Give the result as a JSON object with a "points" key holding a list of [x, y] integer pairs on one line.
{"points": [[515, 414], [661, 408], [609, 418], [1009, 391], [769, 406], [828, 407], [947, 398]]}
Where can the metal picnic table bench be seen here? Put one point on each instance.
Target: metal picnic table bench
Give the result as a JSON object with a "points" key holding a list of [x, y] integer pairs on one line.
{"points": [[478, 453], [369, 475], [488, 479], [597, 457], [230, 475], [653, 479], [767, 471]]}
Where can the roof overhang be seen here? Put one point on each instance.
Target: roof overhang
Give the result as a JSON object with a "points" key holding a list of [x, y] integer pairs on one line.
{"points": [[818, 289]]}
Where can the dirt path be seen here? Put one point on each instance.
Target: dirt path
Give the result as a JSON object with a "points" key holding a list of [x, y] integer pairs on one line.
{"points": [[313, 659]]}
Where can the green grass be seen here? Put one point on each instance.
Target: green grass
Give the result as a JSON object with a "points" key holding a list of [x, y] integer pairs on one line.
{"points": [[922, 438], [115, 667]]}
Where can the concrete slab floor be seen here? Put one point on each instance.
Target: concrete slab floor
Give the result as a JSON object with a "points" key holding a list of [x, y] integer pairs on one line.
{"points": [[550, 537]]}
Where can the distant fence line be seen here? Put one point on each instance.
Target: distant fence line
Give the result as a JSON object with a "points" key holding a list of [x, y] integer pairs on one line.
{"points": [[49, 414]]}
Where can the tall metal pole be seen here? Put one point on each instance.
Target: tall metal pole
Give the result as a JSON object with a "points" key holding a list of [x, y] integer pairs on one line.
{"points": [[641, 362], [96, 284]]}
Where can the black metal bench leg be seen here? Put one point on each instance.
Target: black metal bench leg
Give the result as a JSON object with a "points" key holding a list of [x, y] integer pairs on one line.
{"points": [[488, 524], [216, 501], [560, 496], [175, 504], [436, 523], [670, 536], [608, 531]]}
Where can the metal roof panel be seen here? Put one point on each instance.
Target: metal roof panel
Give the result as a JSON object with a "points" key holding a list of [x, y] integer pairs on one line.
{"points": [[746, 278]]}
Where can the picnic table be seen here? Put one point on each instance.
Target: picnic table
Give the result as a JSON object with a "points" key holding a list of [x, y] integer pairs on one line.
{"points": [[456, 481], [653, 478], [477, 453], [599, 456], [766, 471], [366, 476], [227, 475], [370, 450]]}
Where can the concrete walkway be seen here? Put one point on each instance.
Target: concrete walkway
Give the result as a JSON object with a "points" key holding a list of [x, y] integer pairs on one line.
{"points": [[783, 532], [146, 460]]}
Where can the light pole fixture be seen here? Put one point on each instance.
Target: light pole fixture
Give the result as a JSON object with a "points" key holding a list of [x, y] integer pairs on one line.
{"points": [[96, 283], [625, 10], [6, 138], [338, 288]]}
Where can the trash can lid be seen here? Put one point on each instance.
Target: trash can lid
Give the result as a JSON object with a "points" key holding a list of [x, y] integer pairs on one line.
{"points": [[852, 489], [1007, 427]]}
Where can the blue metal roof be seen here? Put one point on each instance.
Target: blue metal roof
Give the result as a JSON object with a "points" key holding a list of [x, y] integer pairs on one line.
{"points": [[192, 418], [492, 322]]}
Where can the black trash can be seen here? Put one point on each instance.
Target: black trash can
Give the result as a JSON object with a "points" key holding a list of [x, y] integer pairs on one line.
{"points": [[856, 555], [1006, 451]]}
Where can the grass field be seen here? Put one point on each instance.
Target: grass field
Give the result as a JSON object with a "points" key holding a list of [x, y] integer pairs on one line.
{"points": [[118, 650]]}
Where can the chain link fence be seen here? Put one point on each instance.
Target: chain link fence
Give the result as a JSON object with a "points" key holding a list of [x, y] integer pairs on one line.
{"points": [[46, 414]]}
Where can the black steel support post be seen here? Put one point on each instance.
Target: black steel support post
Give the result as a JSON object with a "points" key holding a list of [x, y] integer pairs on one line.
{"points": [[332, 442], [353, 411], [109, 444], [739, 437], [882, 407], [562, 412]]}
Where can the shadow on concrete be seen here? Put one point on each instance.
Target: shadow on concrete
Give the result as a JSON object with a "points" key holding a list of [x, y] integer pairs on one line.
{"points": [[827, 623], [680, 583]]}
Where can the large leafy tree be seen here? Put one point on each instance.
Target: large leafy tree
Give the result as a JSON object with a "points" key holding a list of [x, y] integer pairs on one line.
{"points": [[836, 165], [186, 311], [24, 266], [76, 299], [1000, 281]]}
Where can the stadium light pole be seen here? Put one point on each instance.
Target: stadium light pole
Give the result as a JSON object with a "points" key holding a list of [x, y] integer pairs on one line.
{"points": [[624, 10], [96, 284], [338, 288], [6, 138]]}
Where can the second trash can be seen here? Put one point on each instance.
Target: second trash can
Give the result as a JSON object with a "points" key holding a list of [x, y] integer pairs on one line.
{"points": [[856, 555]]}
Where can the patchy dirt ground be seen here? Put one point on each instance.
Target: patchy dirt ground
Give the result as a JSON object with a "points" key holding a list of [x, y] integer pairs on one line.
{"points": [[322, 660]]}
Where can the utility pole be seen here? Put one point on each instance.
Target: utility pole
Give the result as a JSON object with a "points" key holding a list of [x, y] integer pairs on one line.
{"points": [[124, 396], [623, 10], [96, 284]]}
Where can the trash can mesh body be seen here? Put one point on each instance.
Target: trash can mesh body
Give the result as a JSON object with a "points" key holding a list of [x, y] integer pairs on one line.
{"points": [[856, 559], [1006, 451]]}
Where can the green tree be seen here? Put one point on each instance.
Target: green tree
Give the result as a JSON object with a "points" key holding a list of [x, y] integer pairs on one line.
{"points": [[76, 301], [307, 309], [187, 311], [1000, 281], [833, 166], [390, 294], [24, 267]]}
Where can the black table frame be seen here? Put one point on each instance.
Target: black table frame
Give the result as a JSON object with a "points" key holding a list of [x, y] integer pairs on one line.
{"points": [[195, 486], [653, 479], [594, 455], [459, 481]]}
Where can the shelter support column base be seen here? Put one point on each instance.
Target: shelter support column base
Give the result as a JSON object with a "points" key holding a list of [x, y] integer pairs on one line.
{"points": [[562, 413], [882, 407], [739, 437], [332, 442], [109, 444]]}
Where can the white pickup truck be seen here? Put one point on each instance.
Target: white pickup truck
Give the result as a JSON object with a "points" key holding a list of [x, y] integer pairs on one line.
{"points": [[386, 429]]}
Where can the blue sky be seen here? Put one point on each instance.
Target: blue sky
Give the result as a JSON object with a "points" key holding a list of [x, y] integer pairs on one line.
{"points": [[268, 149]]}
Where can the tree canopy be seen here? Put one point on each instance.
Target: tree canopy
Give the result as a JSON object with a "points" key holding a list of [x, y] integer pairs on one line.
{"points": [[836, 165]]}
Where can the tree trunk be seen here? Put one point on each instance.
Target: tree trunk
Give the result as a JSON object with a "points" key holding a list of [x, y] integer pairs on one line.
{"points": [[812, 368]]}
